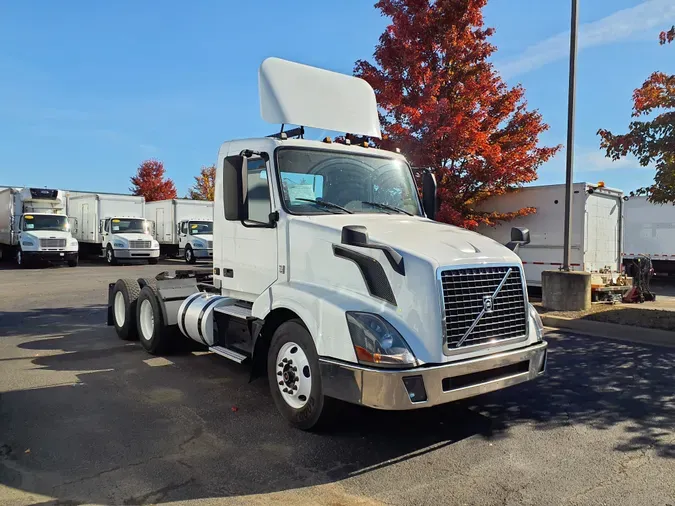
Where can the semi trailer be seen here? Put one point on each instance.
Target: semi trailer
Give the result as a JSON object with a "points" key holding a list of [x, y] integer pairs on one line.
{"points": [[649, 232], [597, 222], [330, 276], [34, 227], [183, 227], [113, 227]]}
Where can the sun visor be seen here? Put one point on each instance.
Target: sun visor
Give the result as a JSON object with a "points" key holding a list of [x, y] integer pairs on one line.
{"points": [[296, 94]]}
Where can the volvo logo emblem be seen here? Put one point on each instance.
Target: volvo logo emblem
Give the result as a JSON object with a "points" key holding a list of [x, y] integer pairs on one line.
{"points": [[487, 304]]}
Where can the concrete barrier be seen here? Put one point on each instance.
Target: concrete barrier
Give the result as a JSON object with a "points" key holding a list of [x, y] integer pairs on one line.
{"points": [[566, 291]]}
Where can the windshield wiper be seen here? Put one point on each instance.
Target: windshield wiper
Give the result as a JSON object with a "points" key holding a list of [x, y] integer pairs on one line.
{"points": [[386, 206], [327, 204]]}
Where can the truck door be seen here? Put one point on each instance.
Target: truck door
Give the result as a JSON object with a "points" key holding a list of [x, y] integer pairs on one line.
{"points": [[182, 234], [256, 264], [159, 227]]}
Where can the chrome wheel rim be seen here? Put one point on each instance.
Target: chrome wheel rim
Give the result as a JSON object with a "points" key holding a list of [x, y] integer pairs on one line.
{"points": [[120, 309], [293, 375]]}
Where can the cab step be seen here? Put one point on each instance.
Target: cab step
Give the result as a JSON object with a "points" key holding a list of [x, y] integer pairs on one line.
{"points": [[235, 311], [228, 353]]}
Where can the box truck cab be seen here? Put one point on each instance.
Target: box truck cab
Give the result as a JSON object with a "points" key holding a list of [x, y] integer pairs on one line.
{"points": [[183, 227], [114, 227], [34, 227], [330, 276], [195, 240]]}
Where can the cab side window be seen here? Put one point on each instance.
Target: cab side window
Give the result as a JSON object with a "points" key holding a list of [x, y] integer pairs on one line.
{"points": [[259, 203], [106, 225], [183, 228]]}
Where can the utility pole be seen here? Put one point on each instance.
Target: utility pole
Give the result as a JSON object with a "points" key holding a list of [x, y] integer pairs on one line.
{"points": [[569, 176]]}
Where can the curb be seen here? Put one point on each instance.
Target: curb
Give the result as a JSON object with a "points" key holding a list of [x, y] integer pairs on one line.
{"points": [[640, 335]]}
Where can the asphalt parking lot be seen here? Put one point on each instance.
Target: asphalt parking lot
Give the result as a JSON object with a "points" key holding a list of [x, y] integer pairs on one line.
{"points": [[87, 418]]}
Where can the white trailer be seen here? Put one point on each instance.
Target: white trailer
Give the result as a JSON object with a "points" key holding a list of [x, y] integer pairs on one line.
{"points": [[330, 276], [183, 227], [34, 227], [113, 226], [596, 227], [650, 231]]}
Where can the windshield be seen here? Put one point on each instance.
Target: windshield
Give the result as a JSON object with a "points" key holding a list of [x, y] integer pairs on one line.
{"points": [[320, 182], [128, 225], [201, 227], [45, 222]]}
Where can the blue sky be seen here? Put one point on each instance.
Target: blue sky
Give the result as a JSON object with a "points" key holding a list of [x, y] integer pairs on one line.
{"points": [[90, 89]]}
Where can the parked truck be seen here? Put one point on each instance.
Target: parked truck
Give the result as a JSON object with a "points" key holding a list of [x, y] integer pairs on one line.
{"points": [[597, 222], [330, 276], [34, 227], [183, 227], [649, 231], [114, 227]]}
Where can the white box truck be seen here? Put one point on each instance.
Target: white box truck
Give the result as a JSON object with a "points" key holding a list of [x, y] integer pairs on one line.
{"points": [[596, 227], [330, 276], [183, 227], [113, 226], [650, 231], [34, 227]]}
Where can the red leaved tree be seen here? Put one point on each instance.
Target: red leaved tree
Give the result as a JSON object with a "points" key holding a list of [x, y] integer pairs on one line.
{"points": [[651, 141], [205, 185], [446, 107], [150, 182]]}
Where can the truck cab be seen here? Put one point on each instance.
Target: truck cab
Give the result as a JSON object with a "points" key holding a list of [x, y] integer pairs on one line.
{"points": [[330, 275], [128, 238], [195, 240]]}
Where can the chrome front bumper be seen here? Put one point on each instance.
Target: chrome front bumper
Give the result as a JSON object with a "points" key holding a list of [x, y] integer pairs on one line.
{"points": [[137, 253], [421, 387]]}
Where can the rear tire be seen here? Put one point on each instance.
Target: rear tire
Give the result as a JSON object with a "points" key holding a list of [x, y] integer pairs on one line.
{"points": [[125, 296], [306, 412], [155, 336]]}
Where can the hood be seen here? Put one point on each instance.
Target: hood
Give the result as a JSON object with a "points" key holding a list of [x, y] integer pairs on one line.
{"points": [[438, 243], [133, 236], [46, 234], [203, 237]]}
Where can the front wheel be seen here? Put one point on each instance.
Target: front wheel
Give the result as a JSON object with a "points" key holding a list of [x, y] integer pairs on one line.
{"points": [[189, 255], [153, 261], [72, 262], [110, 256], [295, 379], [21, 261]]}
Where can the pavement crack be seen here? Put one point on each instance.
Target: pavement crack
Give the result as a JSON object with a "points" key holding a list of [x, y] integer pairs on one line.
{"points": [[157, 496]]}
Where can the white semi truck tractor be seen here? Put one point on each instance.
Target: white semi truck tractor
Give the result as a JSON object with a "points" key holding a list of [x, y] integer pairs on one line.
{"points": [[114, 227], [183, 227], [330, 276], [34, 227]]}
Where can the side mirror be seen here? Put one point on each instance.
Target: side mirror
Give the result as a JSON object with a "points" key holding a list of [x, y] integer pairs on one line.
{"points": [[519, 237], [235, 171], [429, 194]]}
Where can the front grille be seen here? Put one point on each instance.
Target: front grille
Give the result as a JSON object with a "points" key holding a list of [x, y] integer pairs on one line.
{"points": [[464, 294], [139, 244], [52, 243], [209, 244]]}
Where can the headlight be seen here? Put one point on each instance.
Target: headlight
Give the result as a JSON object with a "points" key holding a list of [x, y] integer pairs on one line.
{"points": [[155, 244], [538, 325], [118, 244], [27, 243], [73, 242], [376, 342], [199, 244]]}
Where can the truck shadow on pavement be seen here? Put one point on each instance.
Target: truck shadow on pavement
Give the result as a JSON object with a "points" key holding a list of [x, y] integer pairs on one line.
{"points": [[100, 421]]}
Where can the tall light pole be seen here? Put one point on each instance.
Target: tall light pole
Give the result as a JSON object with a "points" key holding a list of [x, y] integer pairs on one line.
{"points": [[569, 176]]}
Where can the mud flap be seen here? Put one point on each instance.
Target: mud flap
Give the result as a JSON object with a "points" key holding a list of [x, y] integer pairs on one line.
{"points": [[111, 286]]}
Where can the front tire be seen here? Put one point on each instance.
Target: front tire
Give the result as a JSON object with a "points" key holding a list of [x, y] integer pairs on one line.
{"points": [[73, 261], [21, 261], [189, 256], [155, 336], [295, 379], [125, 296], [110, 256], [153, 261]]}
